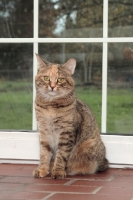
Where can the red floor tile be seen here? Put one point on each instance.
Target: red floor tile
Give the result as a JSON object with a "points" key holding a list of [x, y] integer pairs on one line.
{"points": [[124, 172], [7, 172], [33, 180], [115, 171], [86, 197], [11, 166], [59, 188], [124, 178], [116, 191], [29, 167], [5, 194], [17, 182], [28, 195], [90, 183], [112, 183], [120, 184], [100, 176], [15, 173], [9, 186]]}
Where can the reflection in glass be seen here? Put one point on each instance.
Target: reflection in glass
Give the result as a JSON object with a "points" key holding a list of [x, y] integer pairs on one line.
{"points": [[16, 19], [68, 19], [88, 73], [120, 18], [120, 88], [16, 67]]}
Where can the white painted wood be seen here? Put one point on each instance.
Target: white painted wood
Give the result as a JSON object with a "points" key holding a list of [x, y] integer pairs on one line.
{"points": [[104, 68], [19, 145], [18, 161], [35, 50], [121, 166], [24, 147], [105, 18], [36, 17], [104, 88], [65, 40], [119, 148]]}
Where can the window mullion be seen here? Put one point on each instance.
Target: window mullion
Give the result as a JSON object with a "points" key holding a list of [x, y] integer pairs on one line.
{"points": [[36, 18], [105, 18], [104, 68], [35, 50], [104, 88]]}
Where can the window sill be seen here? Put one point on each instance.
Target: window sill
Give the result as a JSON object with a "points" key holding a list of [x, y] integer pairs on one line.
{"points": [[23, 147]]}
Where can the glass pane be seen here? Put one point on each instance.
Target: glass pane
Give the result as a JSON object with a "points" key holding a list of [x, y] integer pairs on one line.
{"points": [[16, 66], [121, 18], [68, 19], [120, 88], [16, 19], [88, 72]]}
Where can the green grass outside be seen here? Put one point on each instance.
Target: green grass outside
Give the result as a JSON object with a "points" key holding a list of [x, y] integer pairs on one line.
{"points": [[16, 106], [120, 111]]}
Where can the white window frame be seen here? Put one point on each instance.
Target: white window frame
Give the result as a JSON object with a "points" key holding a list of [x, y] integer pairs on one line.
{"points": [[23, 147]]}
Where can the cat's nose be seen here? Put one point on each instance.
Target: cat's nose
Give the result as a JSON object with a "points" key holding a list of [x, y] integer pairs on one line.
{"points": [[52, 87]]}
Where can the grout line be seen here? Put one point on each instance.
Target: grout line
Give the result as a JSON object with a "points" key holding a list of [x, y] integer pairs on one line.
{"points": [[97, 190], [61, 192], [89, 179], [21, 186], [2, 177], [111, 178], [45, 198], [70, 182]]}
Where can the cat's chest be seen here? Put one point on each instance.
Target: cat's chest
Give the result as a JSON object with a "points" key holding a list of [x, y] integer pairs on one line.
{"points": [[52, 127], [56, 119], [52, 134], [52, 122]]}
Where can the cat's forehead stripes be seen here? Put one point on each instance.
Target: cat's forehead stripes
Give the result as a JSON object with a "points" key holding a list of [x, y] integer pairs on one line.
{"points": [[54, 73]]}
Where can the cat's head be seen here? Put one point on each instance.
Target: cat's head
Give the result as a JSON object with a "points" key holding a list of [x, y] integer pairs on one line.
{"points": [[54, 80]]}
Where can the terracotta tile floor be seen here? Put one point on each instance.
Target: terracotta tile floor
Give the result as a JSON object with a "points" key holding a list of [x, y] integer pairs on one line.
{"points": [[16, 182]]}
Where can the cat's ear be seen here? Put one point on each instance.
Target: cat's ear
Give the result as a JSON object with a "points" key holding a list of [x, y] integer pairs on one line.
{"points": [[40, 62], [70, 65]]}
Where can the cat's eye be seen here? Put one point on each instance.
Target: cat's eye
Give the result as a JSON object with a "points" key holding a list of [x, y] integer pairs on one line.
{"points": [[60, 80], [46, 78]]}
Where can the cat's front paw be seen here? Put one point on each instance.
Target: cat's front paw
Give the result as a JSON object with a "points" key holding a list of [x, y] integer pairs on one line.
{"points": [[40, 172], [58, 174]]}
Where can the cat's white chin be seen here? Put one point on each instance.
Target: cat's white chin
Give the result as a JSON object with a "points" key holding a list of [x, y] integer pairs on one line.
{"points": [[52, 93]]}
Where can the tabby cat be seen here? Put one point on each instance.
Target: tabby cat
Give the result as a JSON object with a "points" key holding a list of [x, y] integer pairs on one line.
{"points": [[70, 142]]}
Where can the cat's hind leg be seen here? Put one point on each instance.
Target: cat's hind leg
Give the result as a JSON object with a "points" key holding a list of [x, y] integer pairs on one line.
{"points": [[82, 168], [104, 165], [83, 159]]}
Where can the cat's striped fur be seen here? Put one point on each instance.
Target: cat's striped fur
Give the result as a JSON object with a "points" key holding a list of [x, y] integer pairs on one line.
{"points": [[70, 142]]}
